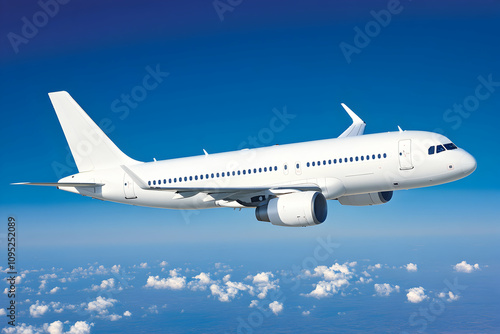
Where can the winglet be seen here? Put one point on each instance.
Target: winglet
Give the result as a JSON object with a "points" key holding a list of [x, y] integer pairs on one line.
{"points": [[357, 127]]}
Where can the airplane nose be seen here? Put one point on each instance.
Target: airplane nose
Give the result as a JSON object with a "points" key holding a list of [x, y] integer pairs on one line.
{"points": [[468, 164]]}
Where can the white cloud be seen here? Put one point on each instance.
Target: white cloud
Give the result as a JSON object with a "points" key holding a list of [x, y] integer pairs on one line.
{"points": [[306, 313], [464, 267], [143, 265], [201, 282], [80, 327], [376, 266], [105, 284], [324, 289], [55, 328], [163, 264], [230, 289], [127, 314], [363, 280], [47, 276], [450, 296], [366, 273], [101, 305], [43, 284], [253, 303], [334, 278], [416, 295], [385, 289], [264, 282], [2, 311], [115, 317], [37, 309], [54, 290], [175, 282], [276, 307], [411, 267], [116, 268]]}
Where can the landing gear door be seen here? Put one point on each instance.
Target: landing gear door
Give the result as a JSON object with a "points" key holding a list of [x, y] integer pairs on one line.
{"points": [[128, 187], [405, 161]]}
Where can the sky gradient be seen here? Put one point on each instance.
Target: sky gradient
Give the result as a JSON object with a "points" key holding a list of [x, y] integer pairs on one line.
{"points": [[227, 71]]}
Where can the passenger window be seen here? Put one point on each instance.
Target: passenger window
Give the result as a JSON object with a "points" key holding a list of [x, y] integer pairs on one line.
{"points": [[196, 177], [450, 146], [367, 157], [249, 171], [379, 156], [275, 168], [362, 158], [319, 163], [324, 162], [244, 172], [306, 165], [385, 155], [201, 177], [345, 159], [169, 180], [439, 149], [149, 183], [190, 178], [260, 170], [357, 159], [313, 163], [298, 166], [286, 167], [340, 161], [329, 162], [175, 180], [180, 179], [223, 174], [239, 172], [185, 178], [350, 159], [206, 176], [265, 169]]}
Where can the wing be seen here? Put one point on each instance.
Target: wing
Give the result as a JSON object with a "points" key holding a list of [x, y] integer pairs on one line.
{"points": [[357, 127], [228, 196]]}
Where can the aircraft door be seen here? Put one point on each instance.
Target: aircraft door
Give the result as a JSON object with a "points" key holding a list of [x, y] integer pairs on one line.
{"points": [[128, 187], [405, 161]]}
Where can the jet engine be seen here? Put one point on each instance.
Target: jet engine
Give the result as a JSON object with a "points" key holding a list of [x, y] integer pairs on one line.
{"points": [[306, 208], [366, 199]]}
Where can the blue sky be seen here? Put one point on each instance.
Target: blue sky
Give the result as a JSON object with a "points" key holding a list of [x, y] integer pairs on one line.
{"points": [[225, 78]]}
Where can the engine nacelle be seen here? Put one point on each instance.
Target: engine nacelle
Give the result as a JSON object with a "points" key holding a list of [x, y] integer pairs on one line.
{"points": [[366, 199], [296, 209]]}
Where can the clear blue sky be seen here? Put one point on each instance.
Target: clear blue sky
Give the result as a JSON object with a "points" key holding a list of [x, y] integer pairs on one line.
{"points": [[225, 77]]}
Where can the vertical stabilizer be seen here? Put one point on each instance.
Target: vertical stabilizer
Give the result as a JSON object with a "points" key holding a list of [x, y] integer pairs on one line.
{"points": [[90, 146]]}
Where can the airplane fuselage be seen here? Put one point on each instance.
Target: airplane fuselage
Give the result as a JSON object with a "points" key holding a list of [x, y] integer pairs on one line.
{"points": [[340, 167]]}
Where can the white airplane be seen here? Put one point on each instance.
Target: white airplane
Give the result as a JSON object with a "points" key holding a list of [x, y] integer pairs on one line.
{"points": [[287, 185]]}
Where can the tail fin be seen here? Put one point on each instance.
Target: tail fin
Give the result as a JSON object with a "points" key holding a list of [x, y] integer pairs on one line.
{"points": [[90, 146]]}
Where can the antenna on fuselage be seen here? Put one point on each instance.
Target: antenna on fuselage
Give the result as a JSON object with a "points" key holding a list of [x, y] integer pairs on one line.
{"points": [[205, 152], [400, 129]]}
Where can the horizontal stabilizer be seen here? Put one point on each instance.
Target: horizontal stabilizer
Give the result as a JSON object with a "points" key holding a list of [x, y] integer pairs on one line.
{"points": [[62, 184]]}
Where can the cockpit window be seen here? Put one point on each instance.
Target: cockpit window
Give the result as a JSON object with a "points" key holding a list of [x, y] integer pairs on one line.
{"points": [[439, 149], [450, 146], [432, 149]]}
